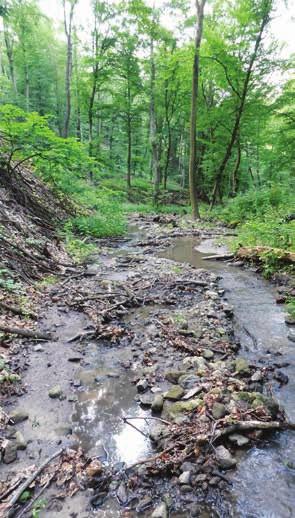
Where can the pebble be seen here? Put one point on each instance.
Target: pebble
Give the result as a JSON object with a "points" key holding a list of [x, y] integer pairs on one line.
{"points": [[175, 393], [10, 452], [218, 410], [238, 439], [55, 392], [18, 416], [157, 404], [160, 511], [224, 458], [39, 349], [142, 385], [291, 336], [20, 441], [185, 477]]}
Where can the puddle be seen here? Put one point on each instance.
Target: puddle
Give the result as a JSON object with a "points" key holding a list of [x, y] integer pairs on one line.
{"points": [[104, 398], [263, 485]]}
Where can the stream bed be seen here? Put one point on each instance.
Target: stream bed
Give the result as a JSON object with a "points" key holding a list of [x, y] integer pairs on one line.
{"points": [[264, 481]]}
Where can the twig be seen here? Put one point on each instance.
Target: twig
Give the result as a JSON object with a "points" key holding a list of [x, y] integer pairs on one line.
{"points": [[35, 498], [11, 488], [16, 310], [25, 332], [223, 257], [30, 480], [253, 425], [154, 457], [125, 420], [80, 336], [151, 418]]}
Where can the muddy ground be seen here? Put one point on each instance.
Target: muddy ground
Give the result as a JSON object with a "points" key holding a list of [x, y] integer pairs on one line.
{"points": [[141, 388]]}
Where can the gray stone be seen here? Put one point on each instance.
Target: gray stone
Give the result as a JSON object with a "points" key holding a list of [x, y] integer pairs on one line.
{"points": [[218, 410], [185, 477], [157, 404], [238, 439], [39, 349], [257, 376], [55, 392], [207, 354], [199, 479], [175, 393], [224, 458], [122, 493], [158, 432], [242, 366], [192, 392], [146, 400], [181, 407], [142, 385], [173, 376], [291, 335], [187, 381], [185, 488], [160, 511], [18, 416], [290, 320], [10, 452], [21, 443]]}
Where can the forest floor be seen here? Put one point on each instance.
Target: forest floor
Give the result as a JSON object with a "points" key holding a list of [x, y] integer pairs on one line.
{"points": [[152, 384]]}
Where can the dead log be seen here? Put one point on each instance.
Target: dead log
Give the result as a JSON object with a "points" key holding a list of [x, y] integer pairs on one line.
{"points": [[27, 333], [256, 253]]}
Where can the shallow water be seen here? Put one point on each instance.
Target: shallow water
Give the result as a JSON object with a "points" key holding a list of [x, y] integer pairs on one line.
{"points": [[263, 485]]}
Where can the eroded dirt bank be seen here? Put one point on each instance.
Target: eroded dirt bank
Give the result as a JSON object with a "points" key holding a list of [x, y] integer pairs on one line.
{"points": [[144, 380]]}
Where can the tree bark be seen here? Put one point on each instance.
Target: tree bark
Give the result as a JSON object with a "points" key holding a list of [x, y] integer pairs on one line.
{"points": [[68, 25], [9, 52], [193, 180], [153, 127], [240, 110]]}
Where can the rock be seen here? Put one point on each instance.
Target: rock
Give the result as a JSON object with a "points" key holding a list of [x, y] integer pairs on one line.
{"points": [[157, 404], [181, 407], [257, 376], [207, 354], [142, 385], [122, 493], [199, 479], [160, 511], [175, 393], [192, 392], [21, 443], [224, 458], [188, 466], [218, 410], [212, 295], [214, 481], [73, 398], [158, 432], [55, 392], [146, 400], [173, 376], [75, 358], [281, 377], [144, 504], [291, 335], [290, 320], [185, 488], [10, 452], [242, 366], [185, 477], [18, 416], [39, 349], [197, 362], [94, 468], [238, 439], [187, 381]]}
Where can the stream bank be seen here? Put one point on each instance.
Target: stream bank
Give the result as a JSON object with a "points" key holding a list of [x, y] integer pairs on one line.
{"points": [[170, 312]]}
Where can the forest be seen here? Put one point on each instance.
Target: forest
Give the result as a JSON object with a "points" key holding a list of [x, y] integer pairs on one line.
{"points": [[147, 255]]}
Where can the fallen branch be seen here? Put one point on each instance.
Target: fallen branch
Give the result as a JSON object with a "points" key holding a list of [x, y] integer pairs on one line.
{"points": [[30, 480], [147, 418], [16, 310], [244, 426], [224, 257], [25, 332]]}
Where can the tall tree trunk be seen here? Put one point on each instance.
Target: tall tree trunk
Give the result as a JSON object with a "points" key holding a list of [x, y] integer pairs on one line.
{"points": [[235, 178], [68, 24], [155, 170], [193, 173], [129, 134], [10, 57], [240, 110]]}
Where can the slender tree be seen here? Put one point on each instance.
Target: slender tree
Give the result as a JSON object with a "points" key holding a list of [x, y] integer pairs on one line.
{"points": [[68, 26], [193, 180]]}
